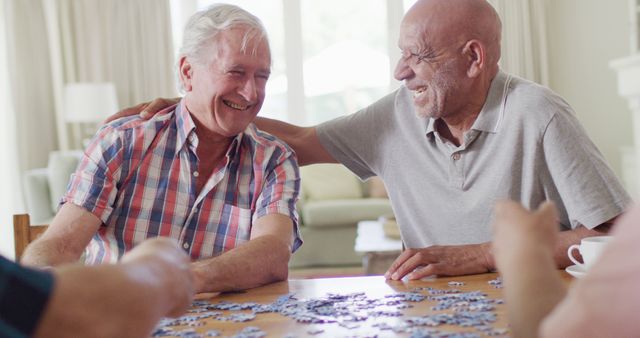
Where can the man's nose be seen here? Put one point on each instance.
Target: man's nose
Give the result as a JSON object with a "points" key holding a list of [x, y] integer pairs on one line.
{"points": [[248, 90], [402, 71]]}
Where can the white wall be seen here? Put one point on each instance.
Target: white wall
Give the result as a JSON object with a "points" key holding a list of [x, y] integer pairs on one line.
{"points": [[584, 36]]}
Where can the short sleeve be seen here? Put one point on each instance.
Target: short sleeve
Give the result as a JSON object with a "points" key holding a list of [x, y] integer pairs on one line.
{"points": [[590, 191], [93, 184], [355, 140], [280, 192]]}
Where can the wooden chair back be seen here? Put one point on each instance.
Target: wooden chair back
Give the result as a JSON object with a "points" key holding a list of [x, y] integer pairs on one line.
{"points": [[24, 233]]}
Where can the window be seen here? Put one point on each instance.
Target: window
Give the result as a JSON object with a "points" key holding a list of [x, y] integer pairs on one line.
{"points": [[329, 58], [408, 4], [346, 64]]}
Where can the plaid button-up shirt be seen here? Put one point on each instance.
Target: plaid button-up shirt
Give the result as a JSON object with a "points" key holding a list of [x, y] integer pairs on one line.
{"points": [[139, 177]]}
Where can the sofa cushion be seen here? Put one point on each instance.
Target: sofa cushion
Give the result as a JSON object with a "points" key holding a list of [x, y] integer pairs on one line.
{"points": [[61, 165], [36, 191], [343, 212], [329, 182], [326, 247]]}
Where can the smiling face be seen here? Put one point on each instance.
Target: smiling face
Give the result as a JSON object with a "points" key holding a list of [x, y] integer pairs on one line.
{"points": [[450, 52], [430, 67], [226, 93]]}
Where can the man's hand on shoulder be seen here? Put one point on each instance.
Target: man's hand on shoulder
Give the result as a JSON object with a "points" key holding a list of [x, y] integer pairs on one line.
{"points": [[146, 109], [450, 260]]}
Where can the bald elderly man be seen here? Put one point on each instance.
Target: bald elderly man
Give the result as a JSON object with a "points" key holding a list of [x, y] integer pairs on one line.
{"points": [[456, 137]]}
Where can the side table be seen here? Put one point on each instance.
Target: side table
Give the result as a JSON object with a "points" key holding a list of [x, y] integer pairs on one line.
{"points": [[377, 250]]}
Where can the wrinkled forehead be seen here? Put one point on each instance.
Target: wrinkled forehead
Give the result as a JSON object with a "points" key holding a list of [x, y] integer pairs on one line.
{"points": [[240, 44], [427, 30], [414, 35]]}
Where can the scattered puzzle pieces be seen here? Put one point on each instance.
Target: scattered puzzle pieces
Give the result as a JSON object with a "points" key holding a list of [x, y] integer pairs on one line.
{"points": [[463, 309]]}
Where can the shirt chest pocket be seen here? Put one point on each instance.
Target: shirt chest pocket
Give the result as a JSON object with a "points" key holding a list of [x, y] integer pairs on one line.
{"points": [[233, 226]]}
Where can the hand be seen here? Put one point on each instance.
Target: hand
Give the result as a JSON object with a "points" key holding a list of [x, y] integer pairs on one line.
{"points": [[167, 264], [119, 300], [451, 260], [517, 229], [146, 109]]}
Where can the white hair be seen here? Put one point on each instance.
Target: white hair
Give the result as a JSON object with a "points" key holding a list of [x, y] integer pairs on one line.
{"points": [[205, 25]]}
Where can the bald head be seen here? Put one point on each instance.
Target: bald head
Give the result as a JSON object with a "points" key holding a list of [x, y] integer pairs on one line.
{"points": [[451, 21]]}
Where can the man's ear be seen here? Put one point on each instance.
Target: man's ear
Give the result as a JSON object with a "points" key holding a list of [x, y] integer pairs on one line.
{"points": [[186, 73], [475, 54]]}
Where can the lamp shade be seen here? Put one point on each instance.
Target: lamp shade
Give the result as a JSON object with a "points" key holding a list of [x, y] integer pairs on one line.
{"points": [[89, 101]]}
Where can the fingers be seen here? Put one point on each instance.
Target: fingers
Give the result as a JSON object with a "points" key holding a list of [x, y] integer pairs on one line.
{"points": [[507, 209], [548, 212], [510, 213], [183, 299], [413, 259], [126, 112], [145, 109], [398, 262], [169, 266], [423, 272], [157, 105]]}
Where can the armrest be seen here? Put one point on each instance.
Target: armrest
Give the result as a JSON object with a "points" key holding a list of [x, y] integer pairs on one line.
{"points": [[36, 193]]}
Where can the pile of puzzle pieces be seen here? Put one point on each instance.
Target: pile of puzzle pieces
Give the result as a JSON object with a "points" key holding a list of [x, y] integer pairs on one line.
{"points": [[465, 309]]}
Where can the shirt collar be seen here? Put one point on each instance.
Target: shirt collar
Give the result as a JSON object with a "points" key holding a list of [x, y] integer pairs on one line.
{"points": [[187, 131], [493, 109], [184, 123]]}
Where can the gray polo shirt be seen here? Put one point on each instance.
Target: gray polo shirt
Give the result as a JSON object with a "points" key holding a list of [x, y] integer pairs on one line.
{"points": [[525, 145]]}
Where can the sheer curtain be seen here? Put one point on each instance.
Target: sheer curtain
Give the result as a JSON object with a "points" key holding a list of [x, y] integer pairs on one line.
{"points": [[524, 38], [127, 42], [26, 133], [7, 138], [47, 43]]}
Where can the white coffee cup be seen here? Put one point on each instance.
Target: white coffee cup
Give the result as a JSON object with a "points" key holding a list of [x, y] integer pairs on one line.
{"points": [[590, 249]]}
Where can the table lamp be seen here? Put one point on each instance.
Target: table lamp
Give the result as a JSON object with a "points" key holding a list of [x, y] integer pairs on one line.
{"points": [[87, 104]]}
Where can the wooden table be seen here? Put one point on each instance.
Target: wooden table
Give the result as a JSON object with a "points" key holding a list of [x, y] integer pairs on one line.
{"points": [[277, 325]]}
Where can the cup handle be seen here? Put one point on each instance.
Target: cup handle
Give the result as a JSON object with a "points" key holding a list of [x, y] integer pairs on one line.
{"points": [[570, 254]]}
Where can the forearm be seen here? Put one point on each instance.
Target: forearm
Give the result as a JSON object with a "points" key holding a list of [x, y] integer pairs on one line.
{"points": [[532, 287], [65, 239], [260, 261], [123, 300], [87, 302], [42, 253], [303, 140]]}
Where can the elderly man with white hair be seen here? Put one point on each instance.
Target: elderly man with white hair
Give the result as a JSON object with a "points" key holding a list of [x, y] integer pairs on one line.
{"points": [[198, 172]]}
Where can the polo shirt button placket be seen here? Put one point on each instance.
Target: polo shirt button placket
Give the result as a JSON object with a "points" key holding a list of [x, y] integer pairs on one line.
{"points": [[456, 170]]}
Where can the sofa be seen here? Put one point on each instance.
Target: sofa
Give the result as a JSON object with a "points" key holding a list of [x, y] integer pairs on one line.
{"points": [[332, 202], [43, 187]]}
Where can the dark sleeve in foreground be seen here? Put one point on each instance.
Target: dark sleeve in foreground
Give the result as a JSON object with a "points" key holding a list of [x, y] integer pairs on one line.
{"points": [[23, 297]]}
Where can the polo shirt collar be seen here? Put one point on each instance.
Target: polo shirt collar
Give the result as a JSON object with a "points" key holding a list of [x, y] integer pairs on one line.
{"points": [[493, 109]]}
